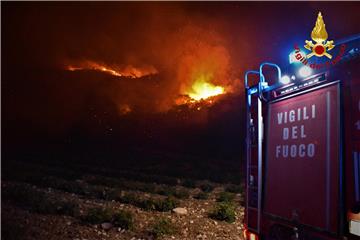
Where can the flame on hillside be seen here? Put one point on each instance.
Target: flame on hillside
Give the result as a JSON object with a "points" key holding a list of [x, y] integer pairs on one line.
{"points": [[195, 72], [124, 109], [126, 71], [201, 89]]}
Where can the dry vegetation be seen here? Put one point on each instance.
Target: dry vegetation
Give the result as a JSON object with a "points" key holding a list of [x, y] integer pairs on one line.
{"points": [[41, 202]]}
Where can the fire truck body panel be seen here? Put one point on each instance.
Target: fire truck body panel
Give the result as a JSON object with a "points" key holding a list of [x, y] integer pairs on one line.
{"points": [[302, 153]]}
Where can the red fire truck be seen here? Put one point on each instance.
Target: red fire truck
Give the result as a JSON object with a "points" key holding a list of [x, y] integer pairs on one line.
{"points": [[303, 149]]}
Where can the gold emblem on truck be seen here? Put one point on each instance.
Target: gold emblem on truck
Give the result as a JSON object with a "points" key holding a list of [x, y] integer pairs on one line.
{"points": [[319, 35]]}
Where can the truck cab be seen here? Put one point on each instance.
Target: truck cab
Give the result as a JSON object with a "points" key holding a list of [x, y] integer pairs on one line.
{"points": [[303, 149]]}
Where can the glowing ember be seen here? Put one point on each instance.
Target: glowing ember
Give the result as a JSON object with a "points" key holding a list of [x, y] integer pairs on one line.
{"points": [[124, 109], [202, 89], [127, 71]]}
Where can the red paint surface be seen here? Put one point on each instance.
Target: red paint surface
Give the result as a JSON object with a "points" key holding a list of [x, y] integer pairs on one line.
{"points": [[296, 187]]}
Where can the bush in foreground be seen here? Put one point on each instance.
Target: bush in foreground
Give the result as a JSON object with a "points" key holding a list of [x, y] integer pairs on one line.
{"points": [[162, 227], [37, 201], [147, 204], [128, 198], [224, 212], [120, 218], [166, 190], [166, 204], [225, 197], [182, 194], [98, 215], [123, 219]]}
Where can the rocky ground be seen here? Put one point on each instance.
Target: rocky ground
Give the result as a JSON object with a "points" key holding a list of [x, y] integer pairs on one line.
{"points": [[43, 205]]}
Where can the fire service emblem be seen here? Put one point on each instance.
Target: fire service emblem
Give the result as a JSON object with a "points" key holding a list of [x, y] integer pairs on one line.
{"points": [[319, 35]]}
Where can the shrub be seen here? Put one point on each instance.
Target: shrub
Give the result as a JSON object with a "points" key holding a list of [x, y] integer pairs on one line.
{"points": [[67, 186], [123, 219], [166, 191], [234, 188], [182, 194], [201, 196], [166, 204], [223, 212], [128, 198], [98, 215], [162, 227], [37, 201], [147, 204], [207, 187], [189, 183], [225, 197]]}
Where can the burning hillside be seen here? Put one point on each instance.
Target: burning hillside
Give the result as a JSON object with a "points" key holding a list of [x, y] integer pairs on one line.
{"points": [[199, 72], [203, 90], [125, 71], [201, 87], [159, 65], [130, 61], [198, 91]]}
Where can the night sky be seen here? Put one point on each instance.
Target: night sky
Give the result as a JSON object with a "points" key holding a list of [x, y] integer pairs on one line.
{"points": [[45, 106]]}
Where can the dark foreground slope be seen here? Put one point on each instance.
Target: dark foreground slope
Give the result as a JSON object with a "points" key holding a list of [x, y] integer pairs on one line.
{"points": [[80, 202]]}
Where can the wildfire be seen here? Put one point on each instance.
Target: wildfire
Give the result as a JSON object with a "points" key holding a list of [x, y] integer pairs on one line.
{"points": [[200, 93], [127, 71], [202, 89]]}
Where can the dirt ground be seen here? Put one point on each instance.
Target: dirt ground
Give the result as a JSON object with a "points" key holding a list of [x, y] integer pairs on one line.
{"points": [[19, 222]]}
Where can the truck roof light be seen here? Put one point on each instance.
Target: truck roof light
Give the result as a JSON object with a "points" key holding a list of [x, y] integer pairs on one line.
{"points": [[285, 79], [305, 71]]}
